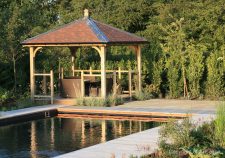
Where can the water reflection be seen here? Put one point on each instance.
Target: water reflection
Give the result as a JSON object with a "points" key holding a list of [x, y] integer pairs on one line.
{"points": [[82, 133], [103, 138], [55, 136], [33, 144], [52, 133]]}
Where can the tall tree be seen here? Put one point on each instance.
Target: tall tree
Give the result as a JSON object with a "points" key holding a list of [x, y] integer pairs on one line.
{"points": [[174, 48], [12, 29]]}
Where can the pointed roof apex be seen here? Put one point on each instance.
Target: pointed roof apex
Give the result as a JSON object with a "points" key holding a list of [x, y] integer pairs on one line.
{"points": [[86, 13], [85, 31]]}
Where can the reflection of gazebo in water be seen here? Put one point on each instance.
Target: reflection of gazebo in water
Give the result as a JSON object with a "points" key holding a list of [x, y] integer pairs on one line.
{"points": [[84, 32]]}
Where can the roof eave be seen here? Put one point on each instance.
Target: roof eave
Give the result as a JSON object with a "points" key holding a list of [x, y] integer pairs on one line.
{"points": [[85, 43], [61, 44]]}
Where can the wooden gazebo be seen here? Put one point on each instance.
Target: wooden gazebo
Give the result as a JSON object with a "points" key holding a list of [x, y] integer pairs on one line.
{"points": [[84, 32]]}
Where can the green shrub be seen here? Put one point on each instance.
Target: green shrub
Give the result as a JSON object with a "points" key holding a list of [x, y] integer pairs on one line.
{"points": [[215, 86], [174, 79], [178, 133], [93, 101], [199, 152], [119, 101], [153, 90], [27, 102], [220, 125], [186, 138], [80, 102], [143, 95], [22, 103], [5, 96], [11, 101], [195, 68], [112, 100]]}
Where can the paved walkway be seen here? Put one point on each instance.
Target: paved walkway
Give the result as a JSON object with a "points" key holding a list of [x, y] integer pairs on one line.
{"points": [[173, 105], [154, 107], [31, 110]]}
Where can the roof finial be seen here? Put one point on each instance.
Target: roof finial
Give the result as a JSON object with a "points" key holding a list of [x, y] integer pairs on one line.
{"points": [[86, 13]]}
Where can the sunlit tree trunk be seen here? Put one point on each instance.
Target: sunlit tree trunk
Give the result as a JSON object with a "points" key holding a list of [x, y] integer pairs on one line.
{"points": [[14, 71], [185, 81]]}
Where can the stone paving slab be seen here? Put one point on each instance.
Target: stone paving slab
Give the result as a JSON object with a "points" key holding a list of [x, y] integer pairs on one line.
{"points": [[173, 103], [161, 105], [25, 111]]}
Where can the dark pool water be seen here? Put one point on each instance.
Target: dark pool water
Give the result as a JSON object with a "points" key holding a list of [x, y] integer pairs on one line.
{"points": [[56, 136]]}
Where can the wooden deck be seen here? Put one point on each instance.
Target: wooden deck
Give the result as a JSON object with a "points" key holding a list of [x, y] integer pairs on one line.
{"points": [[125, 112], [116, 118]]}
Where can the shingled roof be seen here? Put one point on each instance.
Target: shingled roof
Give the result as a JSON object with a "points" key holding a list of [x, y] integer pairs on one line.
{"points": [[85, 31]]}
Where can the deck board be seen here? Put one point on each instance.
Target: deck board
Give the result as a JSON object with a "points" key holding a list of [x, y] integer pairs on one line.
{"points": [[124, 111]]}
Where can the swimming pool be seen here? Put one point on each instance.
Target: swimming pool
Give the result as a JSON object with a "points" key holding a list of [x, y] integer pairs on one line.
{"points": [[55, 136]]}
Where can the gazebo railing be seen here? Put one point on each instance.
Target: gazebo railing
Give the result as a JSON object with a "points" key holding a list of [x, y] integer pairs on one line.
{"points": [[116, 74], [51, 96], [97, 73], [119, 71]]}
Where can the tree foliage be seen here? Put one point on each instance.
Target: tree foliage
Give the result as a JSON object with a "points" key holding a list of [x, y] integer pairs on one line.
{"points": [[185, 54]]}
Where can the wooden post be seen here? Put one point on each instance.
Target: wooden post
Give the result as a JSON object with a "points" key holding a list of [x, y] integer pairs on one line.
{"points": [[90, 70], [52, 86], [33, 51], [73, 73], [119, 72], [130, 84], [102, 52], [138, 51], [62, 73], [82, 84], [73, 51], [32, 79], [114, 83], [59, 79], [103, 72]]}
